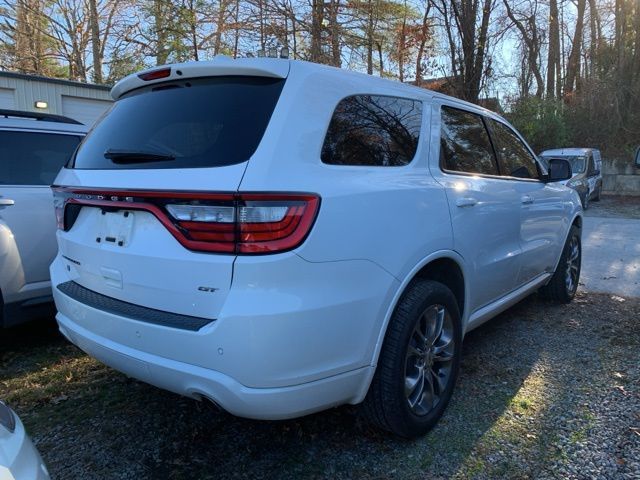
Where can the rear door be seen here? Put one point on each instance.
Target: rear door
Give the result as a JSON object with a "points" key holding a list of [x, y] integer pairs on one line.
{"points": [[29, 162], [540, 205], [484, 208], [149, 194]]}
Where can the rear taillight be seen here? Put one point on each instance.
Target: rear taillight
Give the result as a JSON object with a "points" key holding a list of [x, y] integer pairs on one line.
{"points": [[251, 223]]}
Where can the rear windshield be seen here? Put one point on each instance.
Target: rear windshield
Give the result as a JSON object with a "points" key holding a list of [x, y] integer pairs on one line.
{"points": [[205, 122]]}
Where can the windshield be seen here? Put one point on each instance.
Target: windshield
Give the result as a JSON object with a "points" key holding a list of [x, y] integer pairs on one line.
{"points": [[204, 122], [578, 162]]}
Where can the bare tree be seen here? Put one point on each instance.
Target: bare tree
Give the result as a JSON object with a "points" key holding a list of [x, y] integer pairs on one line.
{"points": [[553, 57], [466, 24], [573, 63], [526, 24]]}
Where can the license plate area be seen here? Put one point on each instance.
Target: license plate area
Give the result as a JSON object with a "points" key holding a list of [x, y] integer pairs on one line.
{"points": [[115, 228]]}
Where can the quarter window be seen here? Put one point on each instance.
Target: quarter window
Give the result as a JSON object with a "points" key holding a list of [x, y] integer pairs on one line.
{"points": [[514, 157], [31, 158], [370, 130], [465, 144]]}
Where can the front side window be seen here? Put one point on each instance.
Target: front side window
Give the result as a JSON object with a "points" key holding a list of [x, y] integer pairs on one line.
{"points": [[514, 158], [464, 143], [370, 130], [33, 158]]}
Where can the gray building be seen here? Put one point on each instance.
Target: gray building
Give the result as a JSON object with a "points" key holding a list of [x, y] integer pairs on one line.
{"points": [[84, 102]]}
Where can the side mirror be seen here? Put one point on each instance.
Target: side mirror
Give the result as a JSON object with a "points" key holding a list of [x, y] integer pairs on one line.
{"points": [[637, 158], [559, 170]]}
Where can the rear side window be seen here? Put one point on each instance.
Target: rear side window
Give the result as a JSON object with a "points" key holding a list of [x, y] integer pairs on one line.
{"points": [[370, 130], [514, 157], [32, 158], [464, 143], [205, 122]]}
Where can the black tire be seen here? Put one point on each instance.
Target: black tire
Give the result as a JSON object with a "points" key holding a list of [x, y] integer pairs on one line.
{"points": [[598, 192], [387, 404], [585, 201], [560, 288]]}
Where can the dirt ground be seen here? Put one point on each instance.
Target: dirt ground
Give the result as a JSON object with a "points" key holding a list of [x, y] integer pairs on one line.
{"points": [[545, 391], [615, 206]]}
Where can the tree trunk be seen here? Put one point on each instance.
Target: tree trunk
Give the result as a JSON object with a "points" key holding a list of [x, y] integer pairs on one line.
{"points": [[96, 47], [594, 46], [530, 40], [316, 30], [370, 38], [573, 65], [334, 27], [553, 57], [424, 32], [220, 24], [402, 42]]}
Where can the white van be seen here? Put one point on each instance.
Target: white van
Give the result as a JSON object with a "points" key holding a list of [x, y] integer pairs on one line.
{"points": [[586, 165], [281, 237]]}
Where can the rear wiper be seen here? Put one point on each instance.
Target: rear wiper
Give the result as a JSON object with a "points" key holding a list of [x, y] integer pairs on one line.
{"points": [[137, 156]]}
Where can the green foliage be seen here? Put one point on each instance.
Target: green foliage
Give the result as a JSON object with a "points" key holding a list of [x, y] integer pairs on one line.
{"points": [[542, 122]]}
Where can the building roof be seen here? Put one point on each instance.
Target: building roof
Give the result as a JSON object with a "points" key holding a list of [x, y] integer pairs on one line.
{"points": [[59, 81]]}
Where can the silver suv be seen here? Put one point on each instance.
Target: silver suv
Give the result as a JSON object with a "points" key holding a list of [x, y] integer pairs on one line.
{"points": [[33, 148]]}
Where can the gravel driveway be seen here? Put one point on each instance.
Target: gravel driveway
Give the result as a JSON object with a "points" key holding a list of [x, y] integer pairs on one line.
{"points": [[545, 391], [611, 255]]}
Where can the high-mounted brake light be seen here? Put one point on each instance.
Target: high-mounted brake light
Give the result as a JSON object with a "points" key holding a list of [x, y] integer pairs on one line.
{"points": [[210, 222], [155, 74]]}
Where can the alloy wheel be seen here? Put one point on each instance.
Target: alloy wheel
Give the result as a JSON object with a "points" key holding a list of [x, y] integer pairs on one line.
{"points": [[429, 359]]}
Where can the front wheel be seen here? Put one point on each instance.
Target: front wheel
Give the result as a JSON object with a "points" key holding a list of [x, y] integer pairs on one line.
{"points": [[564, 283], [419, 362]]}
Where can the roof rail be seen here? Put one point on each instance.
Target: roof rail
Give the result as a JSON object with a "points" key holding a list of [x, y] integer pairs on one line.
{"points": [[45, 117]]}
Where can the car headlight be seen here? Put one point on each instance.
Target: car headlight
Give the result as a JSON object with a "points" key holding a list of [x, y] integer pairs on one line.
{"points": [[574, 183], [7, 417]]}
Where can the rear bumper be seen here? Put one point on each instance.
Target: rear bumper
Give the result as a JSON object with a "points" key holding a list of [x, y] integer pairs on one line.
{"points": [[293, 337], [230, 395]]}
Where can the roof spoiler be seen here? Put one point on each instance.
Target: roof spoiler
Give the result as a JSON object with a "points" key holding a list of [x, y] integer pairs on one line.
{"points": [[219, 66]]}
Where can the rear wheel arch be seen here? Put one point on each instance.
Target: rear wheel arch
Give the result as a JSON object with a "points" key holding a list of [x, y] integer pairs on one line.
{"points": [[446, 267]]}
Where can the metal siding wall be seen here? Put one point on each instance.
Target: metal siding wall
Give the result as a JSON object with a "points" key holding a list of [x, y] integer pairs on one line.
{"points": [[27, 92]]}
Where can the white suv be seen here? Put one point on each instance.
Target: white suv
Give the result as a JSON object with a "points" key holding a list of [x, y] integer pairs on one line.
{"points": [[281, 237]]}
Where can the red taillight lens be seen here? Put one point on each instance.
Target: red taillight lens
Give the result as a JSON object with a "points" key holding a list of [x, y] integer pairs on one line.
{"points": [[155, 74], [222, 223], [269, 224]]}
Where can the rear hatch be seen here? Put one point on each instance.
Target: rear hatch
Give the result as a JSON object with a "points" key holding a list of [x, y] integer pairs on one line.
{"points": [[135, 204]]}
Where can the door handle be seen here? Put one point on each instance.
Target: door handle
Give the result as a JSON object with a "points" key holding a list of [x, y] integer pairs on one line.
{"points": [[5, 202], [466, 202], [527, 199]]}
